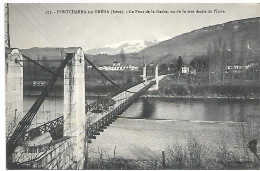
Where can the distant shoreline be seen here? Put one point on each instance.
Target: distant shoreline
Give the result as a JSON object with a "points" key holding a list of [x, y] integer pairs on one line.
{"points": [[197, 97], [162, 96]]}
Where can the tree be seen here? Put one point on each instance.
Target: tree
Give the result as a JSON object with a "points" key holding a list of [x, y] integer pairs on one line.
{"points": [[179, 64], [123, 57], [163, 68], [171, 67]]}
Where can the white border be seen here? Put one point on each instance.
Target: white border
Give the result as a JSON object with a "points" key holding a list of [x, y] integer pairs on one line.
{"points": [[2, 49]]}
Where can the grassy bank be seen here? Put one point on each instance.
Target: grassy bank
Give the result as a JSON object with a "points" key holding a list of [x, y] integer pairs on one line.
{"points": [[170, 87]]}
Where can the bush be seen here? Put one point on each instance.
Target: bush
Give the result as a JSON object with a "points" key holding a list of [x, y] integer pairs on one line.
{"points": [[187, 156]]}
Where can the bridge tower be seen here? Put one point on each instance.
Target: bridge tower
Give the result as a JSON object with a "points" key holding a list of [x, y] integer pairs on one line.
{"points": [[13, 89], [74, 103], [156, 86], [144, 73], [156, 79]]}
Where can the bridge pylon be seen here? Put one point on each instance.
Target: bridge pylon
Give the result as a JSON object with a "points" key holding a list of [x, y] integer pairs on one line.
{"points": [[74, 103], [156, 79], [14, 88], [156, 86], [144, 73]]}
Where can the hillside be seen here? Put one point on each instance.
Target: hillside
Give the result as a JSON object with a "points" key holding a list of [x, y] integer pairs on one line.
{"points": [[188, 45]]}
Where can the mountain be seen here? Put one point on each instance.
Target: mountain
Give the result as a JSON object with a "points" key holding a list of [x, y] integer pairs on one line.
{"points": [[129, 46], [236, 35]]}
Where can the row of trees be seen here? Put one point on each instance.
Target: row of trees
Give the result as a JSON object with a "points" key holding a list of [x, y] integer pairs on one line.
{"points": [[220, 54], [172, 67]]}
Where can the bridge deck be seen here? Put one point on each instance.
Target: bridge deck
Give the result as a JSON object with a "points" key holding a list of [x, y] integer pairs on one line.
{"points": [[119, 99]]}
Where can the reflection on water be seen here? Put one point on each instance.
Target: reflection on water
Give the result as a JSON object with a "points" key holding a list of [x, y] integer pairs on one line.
{"points": [[148, 108], [194, 109]]}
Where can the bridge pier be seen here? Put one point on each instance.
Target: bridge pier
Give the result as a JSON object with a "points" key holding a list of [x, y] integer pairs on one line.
{"points": [[74, 103], [14, 88]]}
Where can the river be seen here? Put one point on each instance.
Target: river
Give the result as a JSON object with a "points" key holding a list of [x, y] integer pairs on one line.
{"points": [[165, 109], [150, 125]]}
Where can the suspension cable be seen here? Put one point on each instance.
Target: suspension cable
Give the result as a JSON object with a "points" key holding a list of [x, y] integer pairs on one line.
{"points": [[39, 65], [100, 72]]}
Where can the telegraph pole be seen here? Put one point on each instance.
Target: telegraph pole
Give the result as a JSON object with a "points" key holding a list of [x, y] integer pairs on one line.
{"points": [[7, 38]]}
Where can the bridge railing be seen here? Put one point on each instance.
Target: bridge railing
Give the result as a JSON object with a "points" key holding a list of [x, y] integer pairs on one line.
{"points": [[100, 104], [105, 103], [35, 132], [125, 88]]}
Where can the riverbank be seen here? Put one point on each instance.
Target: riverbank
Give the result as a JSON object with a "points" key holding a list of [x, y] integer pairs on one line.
{"points": [[144, 140], [196, 97], [173, 87]]}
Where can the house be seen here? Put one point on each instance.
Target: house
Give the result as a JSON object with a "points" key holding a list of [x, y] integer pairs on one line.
{"points": [[185, 69], [235, 68], [89, 67], [116, 67], [39, 83]]}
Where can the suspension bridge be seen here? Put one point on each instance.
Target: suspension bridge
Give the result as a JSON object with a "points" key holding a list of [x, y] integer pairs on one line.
{"points": [[61, 143]]}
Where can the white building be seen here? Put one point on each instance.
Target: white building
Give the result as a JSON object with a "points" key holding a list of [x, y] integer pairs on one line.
{"points": [[235, 68], [185, 69], [119, 68], [89, 67]]}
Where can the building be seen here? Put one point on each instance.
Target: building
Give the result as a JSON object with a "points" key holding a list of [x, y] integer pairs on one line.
{"points": [[119, 68], [236, 68], [185, 69], [89, 67]]}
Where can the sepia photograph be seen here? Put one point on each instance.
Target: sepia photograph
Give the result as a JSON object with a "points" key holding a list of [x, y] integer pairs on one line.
{"points": [[132, 86]]}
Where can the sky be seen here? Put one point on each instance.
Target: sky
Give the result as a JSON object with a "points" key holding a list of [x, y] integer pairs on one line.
{"points": [[30, 26]]}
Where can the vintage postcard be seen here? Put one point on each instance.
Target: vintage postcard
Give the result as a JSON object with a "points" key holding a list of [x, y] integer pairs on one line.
{"points": [[132, 86]]}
